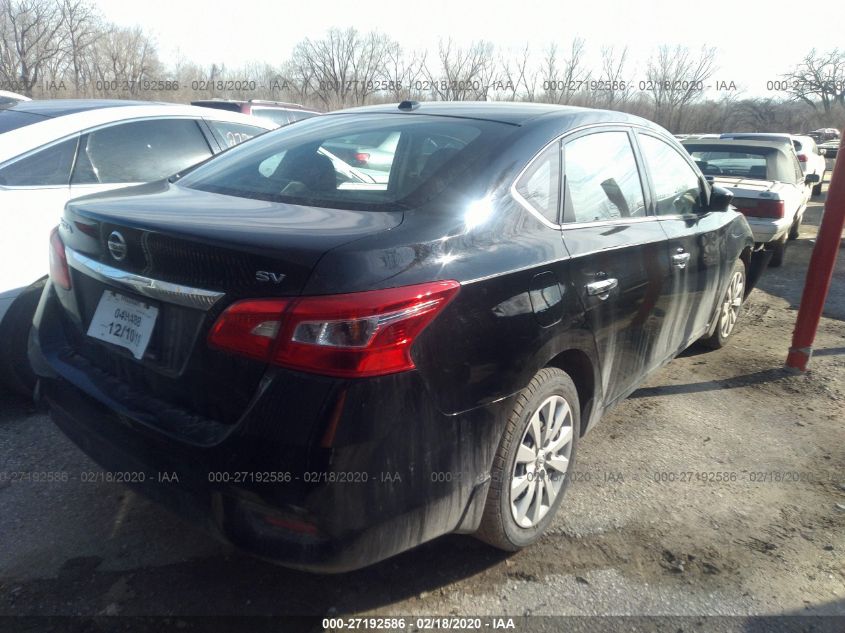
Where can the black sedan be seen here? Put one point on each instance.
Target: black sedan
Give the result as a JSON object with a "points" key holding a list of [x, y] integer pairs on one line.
{"points": [[327, 372]]}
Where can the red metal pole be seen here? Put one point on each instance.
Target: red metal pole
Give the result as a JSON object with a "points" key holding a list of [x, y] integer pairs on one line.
{"points": [[820, 270]]}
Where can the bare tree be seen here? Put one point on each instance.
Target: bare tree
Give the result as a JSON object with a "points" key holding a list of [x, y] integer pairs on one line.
{"points": [[461, 74], [614, 76], [819, 76], [405, 72], [31, 37], [82, 27], [519, 76], [562, 83], [677, 77], [343, 68], [123, 59]]}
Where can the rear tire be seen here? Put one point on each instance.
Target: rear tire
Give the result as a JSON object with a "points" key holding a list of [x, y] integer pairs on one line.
{"points": [[793, 230], [778, 253], [729, 308], [528, 484], [15, 370]]}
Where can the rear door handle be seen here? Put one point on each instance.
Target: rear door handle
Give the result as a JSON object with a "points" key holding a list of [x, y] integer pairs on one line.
{"points": [[680, 260], [602, 288]]}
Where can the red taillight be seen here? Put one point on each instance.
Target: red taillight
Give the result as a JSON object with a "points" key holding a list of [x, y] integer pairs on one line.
{"points": [[362, 157], [249, 327], [59, 272], [760, 208], [802, 158], [351, 335]]}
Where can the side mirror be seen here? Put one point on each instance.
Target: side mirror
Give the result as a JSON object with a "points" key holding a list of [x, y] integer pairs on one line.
{"points": [[822, 152], [812, 179], [720, 199]]}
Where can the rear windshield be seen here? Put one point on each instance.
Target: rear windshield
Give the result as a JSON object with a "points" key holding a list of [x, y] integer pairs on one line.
{"points": [[728, 163], [355, 161], [12, 120]]}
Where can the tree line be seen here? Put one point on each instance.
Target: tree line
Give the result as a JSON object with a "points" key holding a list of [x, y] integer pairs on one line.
{"points": [[66, 48]]}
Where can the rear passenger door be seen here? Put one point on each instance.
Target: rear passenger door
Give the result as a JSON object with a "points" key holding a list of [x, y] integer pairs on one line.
{"points": [[618, 263], [696, 241], [33, 192]]}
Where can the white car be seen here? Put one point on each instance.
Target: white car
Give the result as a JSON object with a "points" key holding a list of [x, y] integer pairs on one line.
{"points": [[769, 187], [55, 150], [811, 158]]}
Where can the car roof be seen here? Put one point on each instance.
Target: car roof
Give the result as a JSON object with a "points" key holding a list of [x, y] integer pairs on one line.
{"points": [[62, 107], [83, 116], [515, 113]]}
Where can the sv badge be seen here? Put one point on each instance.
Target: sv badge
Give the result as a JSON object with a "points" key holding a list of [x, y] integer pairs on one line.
{"points": [[266, 276]]}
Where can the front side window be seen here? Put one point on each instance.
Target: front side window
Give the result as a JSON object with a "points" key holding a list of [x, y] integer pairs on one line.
{"points": [[309, 163], [139, 151], [539, 186], [48, 167], [677, 187], [601, 179]]}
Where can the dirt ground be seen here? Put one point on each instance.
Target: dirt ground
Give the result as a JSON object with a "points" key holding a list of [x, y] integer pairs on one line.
{"points": [[717, 489]]}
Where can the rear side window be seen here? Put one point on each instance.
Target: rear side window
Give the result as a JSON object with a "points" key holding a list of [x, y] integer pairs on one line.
{"points": [[231, 134], [677, 187], [601, 179], [539, 186], [740, 164], [311, 163], [140, 151], [48, 167]]}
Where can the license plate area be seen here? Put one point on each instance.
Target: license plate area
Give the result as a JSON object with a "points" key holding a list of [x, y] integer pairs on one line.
{"points": [[124, 321]]}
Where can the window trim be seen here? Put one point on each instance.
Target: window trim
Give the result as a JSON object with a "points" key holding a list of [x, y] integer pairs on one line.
{"points": [[525, 204], [703, 185]]}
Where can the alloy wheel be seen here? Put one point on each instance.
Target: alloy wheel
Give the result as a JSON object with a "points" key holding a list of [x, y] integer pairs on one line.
{"points": [[541, 462], [732, 304]]}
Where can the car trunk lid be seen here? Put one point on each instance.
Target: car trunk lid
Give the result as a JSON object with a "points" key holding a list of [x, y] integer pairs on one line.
{"points": [[186, 255]]}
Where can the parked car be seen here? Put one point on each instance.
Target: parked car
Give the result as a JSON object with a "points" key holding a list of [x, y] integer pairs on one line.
{"points": [[810, 157], [828, 140], [8, 99], [278, 112], [769, 187], [824, 135], [52, 151], [336, 374]]}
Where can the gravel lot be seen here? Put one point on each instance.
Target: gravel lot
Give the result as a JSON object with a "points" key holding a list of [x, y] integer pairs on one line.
{"points": [[769, 540]]}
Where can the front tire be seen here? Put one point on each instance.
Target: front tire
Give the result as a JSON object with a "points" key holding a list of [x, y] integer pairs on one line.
{"points": [[817, 189], [531, 469], [729, 308]]}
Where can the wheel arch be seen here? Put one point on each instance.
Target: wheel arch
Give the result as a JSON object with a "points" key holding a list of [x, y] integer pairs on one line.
{"points": [[583, 372]]}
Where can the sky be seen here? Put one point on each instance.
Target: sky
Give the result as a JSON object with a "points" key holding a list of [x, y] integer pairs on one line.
{"points": [[756, 40]]}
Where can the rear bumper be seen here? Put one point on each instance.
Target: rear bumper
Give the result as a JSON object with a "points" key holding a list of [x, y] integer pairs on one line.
{"points": [[377, 472], [765, 230]]}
